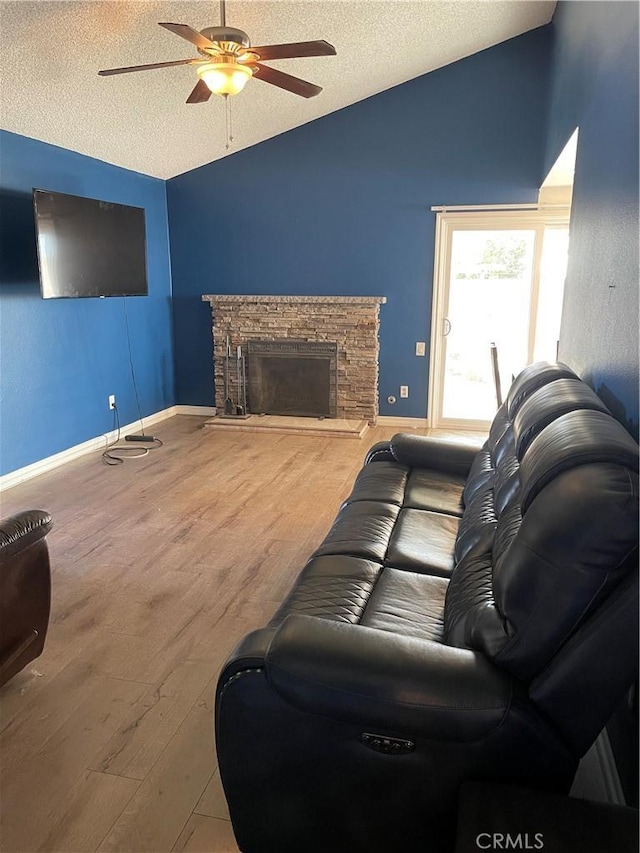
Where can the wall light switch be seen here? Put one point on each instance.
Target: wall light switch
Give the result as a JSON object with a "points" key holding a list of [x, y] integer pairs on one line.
{"points": [[421, 348]]}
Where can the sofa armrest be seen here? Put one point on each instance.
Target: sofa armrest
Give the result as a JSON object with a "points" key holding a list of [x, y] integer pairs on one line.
{"points": [[250, 653], [25, 589], [21, 530], [379, 452], [383, 680], [442, 454]]}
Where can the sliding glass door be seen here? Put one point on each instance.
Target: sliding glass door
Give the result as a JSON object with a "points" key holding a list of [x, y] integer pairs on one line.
{"points": [[497, 303]]}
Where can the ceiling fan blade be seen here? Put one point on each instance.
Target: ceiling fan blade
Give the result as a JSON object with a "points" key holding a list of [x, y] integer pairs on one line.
{"points": [[285, 81], [200, 93], [188, 33], [294, 50], [126, 70]]}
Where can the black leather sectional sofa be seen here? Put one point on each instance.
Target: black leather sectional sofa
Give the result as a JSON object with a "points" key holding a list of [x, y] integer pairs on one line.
{"points": [[469, 616]]}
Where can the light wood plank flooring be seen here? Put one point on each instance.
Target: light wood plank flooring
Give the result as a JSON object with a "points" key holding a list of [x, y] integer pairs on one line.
{"points": [[159, 566]]}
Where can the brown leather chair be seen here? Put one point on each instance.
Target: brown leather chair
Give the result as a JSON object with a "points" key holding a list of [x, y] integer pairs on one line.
{"points": [[25, 589]]}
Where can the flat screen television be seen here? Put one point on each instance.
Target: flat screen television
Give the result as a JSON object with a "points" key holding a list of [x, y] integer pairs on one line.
{"points": [[88, 247]]}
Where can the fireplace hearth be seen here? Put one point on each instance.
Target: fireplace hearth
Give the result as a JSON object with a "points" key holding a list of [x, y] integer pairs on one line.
{"points": [[293, 378]]}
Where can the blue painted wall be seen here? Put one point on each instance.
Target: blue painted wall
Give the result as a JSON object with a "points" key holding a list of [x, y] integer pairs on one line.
{"points": [[341, 205], [338, 206], [61, 358], [595, 88]]}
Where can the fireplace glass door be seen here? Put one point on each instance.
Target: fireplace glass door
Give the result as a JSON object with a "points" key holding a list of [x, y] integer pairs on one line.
{"points": [[292, 378]]}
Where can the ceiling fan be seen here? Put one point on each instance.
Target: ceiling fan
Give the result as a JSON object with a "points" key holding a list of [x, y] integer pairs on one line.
{"points": [[228, 61]]}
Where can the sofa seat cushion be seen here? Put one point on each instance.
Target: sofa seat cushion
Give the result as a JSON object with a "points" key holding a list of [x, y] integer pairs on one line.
{"points": [[380, 481], [423, 542], [361, 529], [333, 587], [434, 490], [407, 603]]}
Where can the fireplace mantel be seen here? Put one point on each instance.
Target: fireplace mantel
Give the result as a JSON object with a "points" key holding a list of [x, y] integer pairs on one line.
{"points": [[350, 321], [214, 299]]}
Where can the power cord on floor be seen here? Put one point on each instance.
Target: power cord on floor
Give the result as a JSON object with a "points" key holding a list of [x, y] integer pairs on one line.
{"points": [[115, 454]]}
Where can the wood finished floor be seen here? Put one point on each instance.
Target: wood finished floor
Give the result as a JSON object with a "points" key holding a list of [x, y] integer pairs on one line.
{"points": [[159, 566]]}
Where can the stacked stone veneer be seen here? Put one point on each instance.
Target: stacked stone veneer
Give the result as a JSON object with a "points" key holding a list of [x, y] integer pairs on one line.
{"points": [[353, 322]]}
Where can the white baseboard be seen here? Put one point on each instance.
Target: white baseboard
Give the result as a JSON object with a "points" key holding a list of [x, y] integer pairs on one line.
{"points": [[415, 423], [13, 478]]}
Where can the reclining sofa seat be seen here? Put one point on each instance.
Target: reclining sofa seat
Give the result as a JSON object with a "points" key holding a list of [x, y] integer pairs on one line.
{"points": [[470, 615]]}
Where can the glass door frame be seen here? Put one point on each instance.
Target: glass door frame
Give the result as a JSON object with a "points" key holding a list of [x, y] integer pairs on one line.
{"points": [[531, 218]]}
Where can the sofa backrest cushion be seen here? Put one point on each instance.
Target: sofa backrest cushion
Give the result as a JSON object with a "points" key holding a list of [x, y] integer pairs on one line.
{"points": [[500, 440], [572, 548], [472, 620], [533, 377], [560, 543], [577, 438], [549, 403]]}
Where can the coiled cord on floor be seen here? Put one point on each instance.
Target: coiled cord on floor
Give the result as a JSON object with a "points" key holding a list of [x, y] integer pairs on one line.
{"points": [[115, 454]]}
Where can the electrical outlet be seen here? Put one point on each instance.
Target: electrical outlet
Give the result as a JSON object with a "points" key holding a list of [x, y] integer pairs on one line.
{"points": [[112, 401], [421, 348], [404, 391]]}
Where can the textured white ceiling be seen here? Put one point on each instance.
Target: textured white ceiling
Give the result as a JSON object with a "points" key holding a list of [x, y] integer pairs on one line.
{"points": [[51, 52]]}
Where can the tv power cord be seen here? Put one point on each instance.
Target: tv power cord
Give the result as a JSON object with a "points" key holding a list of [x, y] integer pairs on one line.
{"points": [[149, 439], [115, 453]]}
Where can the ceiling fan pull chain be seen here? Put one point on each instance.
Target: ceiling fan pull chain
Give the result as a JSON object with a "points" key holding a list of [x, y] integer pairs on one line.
{"points": [[227, 109]]}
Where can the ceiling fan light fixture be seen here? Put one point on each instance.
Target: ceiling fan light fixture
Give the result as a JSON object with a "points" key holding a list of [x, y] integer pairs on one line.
{"points": [[225, 78]]}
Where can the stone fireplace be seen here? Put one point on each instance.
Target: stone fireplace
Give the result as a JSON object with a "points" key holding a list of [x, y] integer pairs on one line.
{"points": [[343, 356]]}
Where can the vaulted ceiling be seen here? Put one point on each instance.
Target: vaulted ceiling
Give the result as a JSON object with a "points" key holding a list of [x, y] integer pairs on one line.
{"points": [[51, 52]]}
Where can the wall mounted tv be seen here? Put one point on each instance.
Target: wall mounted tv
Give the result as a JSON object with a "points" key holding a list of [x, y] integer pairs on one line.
{"points": [[88, 247]]}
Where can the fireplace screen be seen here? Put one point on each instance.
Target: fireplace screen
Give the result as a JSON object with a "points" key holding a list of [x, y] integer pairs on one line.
{"points": [[295, 378]]}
